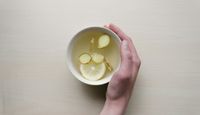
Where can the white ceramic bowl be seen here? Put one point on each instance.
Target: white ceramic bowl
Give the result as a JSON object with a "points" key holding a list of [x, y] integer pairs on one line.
{"points": [[72, 67]]}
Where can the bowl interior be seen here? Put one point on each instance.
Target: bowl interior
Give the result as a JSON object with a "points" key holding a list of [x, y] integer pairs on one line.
{"points": [[78, 44]]}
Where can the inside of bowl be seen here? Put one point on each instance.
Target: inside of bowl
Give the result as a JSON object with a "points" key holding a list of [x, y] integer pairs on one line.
{"points": [[81, 44]]}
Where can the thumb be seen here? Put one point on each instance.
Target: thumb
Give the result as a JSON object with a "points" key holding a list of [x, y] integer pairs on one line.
{"points": [[126, 57]]}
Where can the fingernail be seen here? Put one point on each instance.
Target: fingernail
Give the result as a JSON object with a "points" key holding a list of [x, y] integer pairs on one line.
{"points": [[107, 25]]}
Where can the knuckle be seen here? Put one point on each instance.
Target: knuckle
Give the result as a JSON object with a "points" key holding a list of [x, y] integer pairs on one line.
{"points": [[137, 62], [129, 55]]}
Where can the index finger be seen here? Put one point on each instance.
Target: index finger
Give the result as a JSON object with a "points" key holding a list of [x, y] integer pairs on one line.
{"points": [[123, 36]]}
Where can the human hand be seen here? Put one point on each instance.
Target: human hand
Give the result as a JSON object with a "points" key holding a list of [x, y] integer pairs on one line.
{"points": [[120, 87]]}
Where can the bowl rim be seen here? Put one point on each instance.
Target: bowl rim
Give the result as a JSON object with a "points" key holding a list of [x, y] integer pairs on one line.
{"points": [[71, 67]]}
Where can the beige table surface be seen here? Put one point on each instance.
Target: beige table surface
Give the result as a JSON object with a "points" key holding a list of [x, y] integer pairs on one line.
{"points": [[35, 80]]}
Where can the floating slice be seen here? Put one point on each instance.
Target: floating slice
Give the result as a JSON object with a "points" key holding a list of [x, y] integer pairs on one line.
{"points": [[93, 71], [103, 41], [108, 65], [84, 58], [97, 58]]}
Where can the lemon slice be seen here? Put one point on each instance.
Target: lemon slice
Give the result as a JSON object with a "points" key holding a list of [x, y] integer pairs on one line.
{"points": [[93, 71], [97, 58], [84, 58], [103, 41]]}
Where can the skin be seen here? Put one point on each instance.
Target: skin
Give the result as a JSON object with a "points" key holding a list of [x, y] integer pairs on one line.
{"points": [[121, 85]]}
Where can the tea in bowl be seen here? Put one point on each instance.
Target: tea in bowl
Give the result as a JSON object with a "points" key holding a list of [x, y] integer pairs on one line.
{"points": [[93, 55]]}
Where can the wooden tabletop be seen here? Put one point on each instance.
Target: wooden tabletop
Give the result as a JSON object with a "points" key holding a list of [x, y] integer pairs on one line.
{"points": [[35, 80]]}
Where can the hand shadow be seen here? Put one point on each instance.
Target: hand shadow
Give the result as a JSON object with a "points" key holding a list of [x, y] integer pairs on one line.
{"points": [[95, 92]]}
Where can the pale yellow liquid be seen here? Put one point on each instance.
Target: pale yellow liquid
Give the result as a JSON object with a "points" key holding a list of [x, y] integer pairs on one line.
{"points": [[82, 45]]}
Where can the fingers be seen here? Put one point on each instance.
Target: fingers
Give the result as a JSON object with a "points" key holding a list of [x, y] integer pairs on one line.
{"points": [[123, 36], [118, 31], [126, 59]]}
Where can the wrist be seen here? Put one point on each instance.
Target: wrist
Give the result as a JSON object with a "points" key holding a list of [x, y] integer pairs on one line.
{"points": [[114, 107]]}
